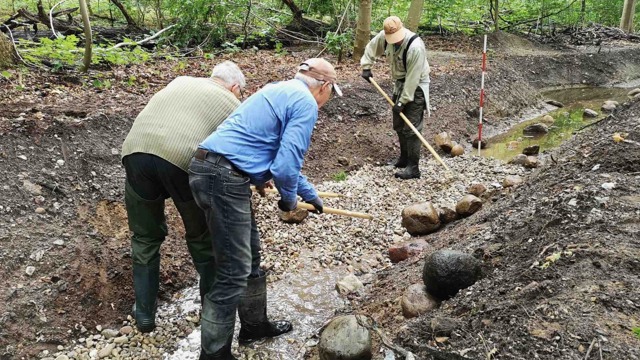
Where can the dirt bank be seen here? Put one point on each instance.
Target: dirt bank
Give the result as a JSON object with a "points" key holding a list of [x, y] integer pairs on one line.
{"points": [[61, 136], [561, 256]]}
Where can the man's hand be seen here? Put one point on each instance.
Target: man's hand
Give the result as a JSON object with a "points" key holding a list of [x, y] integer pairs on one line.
{"points": [[287, 206], [366, 74], [317, 203], [398, 107], [261, 188]]}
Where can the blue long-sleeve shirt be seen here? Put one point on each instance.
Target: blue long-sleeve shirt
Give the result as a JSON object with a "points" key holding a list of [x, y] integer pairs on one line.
{"points": [[268, 136]]}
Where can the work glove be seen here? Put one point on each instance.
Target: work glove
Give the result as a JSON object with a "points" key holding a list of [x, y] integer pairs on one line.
{"points": [[317, 203], [366, 74], [398, 107], [286, 205]]}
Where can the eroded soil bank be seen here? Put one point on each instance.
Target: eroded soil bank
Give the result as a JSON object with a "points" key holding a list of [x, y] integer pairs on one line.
{"points": [[61, 138]]}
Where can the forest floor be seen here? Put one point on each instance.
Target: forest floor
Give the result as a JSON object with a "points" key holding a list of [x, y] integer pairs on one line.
{"points": [[64, 246]]}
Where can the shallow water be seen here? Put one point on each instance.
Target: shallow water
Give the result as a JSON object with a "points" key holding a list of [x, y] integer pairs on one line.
{"points": [[566, 120], [307, 298]]}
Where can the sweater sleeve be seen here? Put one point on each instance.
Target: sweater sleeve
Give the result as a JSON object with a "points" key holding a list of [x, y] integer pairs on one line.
{"points": [[374, 49]]}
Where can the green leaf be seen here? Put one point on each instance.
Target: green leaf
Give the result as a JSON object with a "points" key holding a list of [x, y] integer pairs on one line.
{"points": [[6, 74]]}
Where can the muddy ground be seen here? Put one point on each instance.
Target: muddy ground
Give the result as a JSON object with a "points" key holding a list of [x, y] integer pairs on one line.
{"points": [[59, 155]]}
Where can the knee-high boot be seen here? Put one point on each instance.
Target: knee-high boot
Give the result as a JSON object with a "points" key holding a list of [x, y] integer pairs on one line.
{"points": [[412, 171], [217, 326], [146, 282]]}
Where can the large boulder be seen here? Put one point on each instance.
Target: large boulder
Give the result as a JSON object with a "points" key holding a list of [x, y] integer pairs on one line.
{"points": [[417, 301], [420, 219], [405, 250], [443, 141], [345, 339], [446, 272], [536, 129], [468, 205]]}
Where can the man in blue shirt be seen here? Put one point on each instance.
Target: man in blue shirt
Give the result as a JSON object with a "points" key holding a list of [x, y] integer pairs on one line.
{"points": [[264, 139]]}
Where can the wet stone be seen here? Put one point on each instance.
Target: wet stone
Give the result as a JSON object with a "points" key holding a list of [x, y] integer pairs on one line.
{"points": [[468, 205], [416, 301], [519, 159], [443, 141], [420, 219], [476, 189], [446, 272], [345, 339], [405, 250], [447, 215], [531, 150], [536, 129], [590, 113]]}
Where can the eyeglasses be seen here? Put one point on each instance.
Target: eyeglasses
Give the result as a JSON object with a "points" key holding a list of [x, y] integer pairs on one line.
{"points": [[241, 93]]}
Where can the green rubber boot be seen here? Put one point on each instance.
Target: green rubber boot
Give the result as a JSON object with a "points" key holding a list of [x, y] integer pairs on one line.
{"points": [[146, 282], [412, 171]]}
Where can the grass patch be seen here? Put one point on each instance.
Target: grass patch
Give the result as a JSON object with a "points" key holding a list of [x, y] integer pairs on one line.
{"points": [[340, 176], [636, 331]]}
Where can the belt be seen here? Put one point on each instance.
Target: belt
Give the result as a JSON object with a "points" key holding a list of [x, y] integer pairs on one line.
{"points": [[217, 159]]}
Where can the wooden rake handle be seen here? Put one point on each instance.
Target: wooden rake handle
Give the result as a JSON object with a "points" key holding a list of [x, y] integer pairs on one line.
{"points": [[424, 142], [328, 210], [320, 193]]}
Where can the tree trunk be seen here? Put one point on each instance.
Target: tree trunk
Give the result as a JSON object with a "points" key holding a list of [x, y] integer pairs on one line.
{"points": [[87, 35], [130, 22], [363, 28], [496, 15], [626, 21], [297, 13], [415, 13], [7, 56]]}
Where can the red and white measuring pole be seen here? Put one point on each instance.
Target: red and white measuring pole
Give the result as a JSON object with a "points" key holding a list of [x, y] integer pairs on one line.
{"points": [[484, 71]]}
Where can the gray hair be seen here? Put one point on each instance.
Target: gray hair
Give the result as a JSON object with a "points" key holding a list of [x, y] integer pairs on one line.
{"points": [[229, 72], [311, 82]]}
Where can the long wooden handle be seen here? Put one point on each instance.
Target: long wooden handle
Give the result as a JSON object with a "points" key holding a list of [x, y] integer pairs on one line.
{"points": [[328, 210], [424, 142], [320, 193]]}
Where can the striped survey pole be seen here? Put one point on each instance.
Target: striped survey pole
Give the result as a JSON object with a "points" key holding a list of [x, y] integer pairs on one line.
{"points": [[484, 70]]}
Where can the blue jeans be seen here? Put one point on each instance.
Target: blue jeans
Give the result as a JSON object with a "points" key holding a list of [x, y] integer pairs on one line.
{"points": [[225, 197]]}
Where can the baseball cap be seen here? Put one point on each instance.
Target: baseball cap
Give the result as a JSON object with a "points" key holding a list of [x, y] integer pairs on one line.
{"points": [[394, 31], [321, 70]]}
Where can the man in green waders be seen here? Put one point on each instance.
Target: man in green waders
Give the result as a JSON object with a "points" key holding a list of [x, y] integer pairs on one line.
{"points": [[407, 55], [156, 155]]}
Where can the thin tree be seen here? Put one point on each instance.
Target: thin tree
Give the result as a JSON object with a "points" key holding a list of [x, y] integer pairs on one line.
{"points": [[415, 13], [87, 35], [495, 5], [626, 21], [363, 29]]}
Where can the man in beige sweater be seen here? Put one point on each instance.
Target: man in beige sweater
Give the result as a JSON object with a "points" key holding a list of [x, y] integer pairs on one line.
{"points": [[156, 155]]}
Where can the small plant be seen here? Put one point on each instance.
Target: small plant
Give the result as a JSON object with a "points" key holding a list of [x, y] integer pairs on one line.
{"points": [[338, 44], [340, 176], [279, 49], [5, 74], [230, 48], [98, 84], [636, 332]]}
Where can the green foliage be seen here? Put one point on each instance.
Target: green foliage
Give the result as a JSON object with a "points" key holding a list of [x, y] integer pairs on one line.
{"points": [[5, 74], [340, 176], [338, 44], [280, 49], [101, 84], [636, 332], [64, 51]]}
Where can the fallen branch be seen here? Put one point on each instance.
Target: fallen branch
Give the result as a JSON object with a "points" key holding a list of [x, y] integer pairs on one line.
{"points": [[590, 348], [53, 30], [129, 43]]}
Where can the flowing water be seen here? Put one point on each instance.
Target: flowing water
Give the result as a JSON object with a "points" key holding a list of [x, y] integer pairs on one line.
{"points": [[307, 298], [566, 120]]}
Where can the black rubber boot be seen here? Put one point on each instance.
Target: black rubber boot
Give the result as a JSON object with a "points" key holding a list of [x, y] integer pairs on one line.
{"points": [[253, 313], [402, 160], [412, 171], [146, 281], [218, 322], [207, 271]]}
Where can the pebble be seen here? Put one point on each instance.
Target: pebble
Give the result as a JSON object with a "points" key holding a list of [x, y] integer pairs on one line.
{"points": [[40, 210], [22, 157], [58, 242], [30, 270], [60, 162]]}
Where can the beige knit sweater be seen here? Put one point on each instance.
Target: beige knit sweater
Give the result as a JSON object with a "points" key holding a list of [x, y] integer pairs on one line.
{"points": [[178, 118]]}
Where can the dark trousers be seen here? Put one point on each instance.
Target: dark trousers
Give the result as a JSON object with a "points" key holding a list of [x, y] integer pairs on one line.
{"points": [[151, 180], [225, 197], [414, 111]]}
